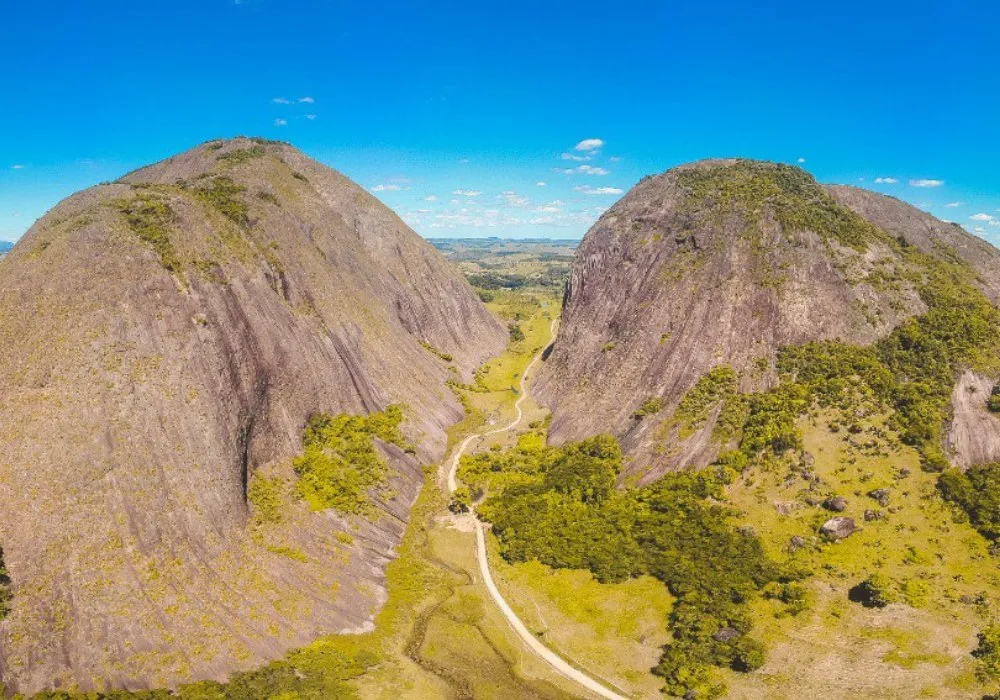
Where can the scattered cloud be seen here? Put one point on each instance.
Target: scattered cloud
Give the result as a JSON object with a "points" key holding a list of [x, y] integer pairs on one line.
{"points": [[541, 184], [584, 169], [616, 159], [386, 188], [886, 180], [431, 198], [551, 207], [981, 217], [952, 205], [306, 100], [801, 160], [310, 117], [467, 193], [281, 122], [570, 156], [17, 166], [281, 101], [926, 183], [598, 190], [513, 199], [994, 222], [463, 161], [589, 145]]}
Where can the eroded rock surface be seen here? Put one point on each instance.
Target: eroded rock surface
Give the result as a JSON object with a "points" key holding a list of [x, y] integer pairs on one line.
{"points": [[149, 370]]}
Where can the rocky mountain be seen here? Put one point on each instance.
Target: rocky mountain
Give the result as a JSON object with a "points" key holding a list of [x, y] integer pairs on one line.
{"points": [[163, 341], [723, 262]]}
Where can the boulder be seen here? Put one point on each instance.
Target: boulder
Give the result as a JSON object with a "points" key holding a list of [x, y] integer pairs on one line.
{"points": [[838, 528]]}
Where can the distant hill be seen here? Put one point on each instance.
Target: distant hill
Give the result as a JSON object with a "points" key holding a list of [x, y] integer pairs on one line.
{"points": [[163, 342], [719, 264]]}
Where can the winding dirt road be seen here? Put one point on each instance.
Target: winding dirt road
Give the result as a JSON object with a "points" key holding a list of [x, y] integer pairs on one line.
{"points": [[551, 658]]}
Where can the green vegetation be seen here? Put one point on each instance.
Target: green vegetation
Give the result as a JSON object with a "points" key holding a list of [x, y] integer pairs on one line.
{"points": [[791, 194], [719, 384], [265, 495], [221, 193], [269, 198], [993, 403], [977, 493], [876, 591], [340, 464], [149, 218], [649, 407], [242, 155], [447, 357], [988, 653], [559, 506], [516, 334], [6, 594]]}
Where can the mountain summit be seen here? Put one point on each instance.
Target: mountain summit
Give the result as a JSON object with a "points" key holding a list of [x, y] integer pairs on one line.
{"points": [[164, 340], [717, 265]]}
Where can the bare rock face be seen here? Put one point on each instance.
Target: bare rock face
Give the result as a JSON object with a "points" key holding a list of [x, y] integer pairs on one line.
{"points": [[163, 339], [723, 262], [974, 435]]}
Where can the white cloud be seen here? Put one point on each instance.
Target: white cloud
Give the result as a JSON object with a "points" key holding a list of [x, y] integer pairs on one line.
{"points": [[513, 199], [570, 156], [310, 117], [431, 198], [467, 193], [801, 160], [598, 190], [281, 101], [616, 159], [280, 122], [306, 100], [541, 184], [981, 217], [463, 161], [17, 166], [584, 169], [994, 222], [589, 145], [386, 188], [886, 180], [952, 205], [926, 183]]}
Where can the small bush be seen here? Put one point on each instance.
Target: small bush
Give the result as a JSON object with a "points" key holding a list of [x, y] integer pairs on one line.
{"points": [[649, 407], [149, 218], [516, 334], [461, 500], [993, 403], [988, 653], [6, 593], [242, 155], [876, 591]]}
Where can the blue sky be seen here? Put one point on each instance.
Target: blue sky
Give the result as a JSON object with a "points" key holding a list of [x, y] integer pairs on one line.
{"points": [[454, 112]]}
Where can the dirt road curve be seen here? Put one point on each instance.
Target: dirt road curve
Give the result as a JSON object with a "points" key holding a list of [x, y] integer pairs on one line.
{"points": [[554, 660]]}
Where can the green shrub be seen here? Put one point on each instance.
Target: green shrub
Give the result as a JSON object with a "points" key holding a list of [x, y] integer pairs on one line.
{"points": [[988, 653], [242, 155], [221, 193], [340, 463], [461, 500], [149, 218], [977, 493], [265, 495], [876, 591], [650, 406], [6, 592], [993, 403], [516, 334]]}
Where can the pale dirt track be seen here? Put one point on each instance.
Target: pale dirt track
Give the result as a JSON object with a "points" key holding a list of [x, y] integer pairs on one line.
{"points": [[531, 641]]}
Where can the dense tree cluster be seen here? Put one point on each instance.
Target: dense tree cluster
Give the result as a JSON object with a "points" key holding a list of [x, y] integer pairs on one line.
{"points": [[560, 506]]}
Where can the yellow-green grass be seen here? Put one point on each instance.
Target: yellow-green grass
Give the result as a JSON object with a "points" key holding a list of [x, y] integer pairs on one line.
{"points": [[613, 631], [499, 378], [908, 649]]}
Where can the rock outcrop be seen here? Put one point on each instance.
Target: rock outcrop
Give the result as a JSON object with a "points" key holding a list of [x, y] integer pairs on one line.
{"points": [[162, 340], [723, 262]]}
